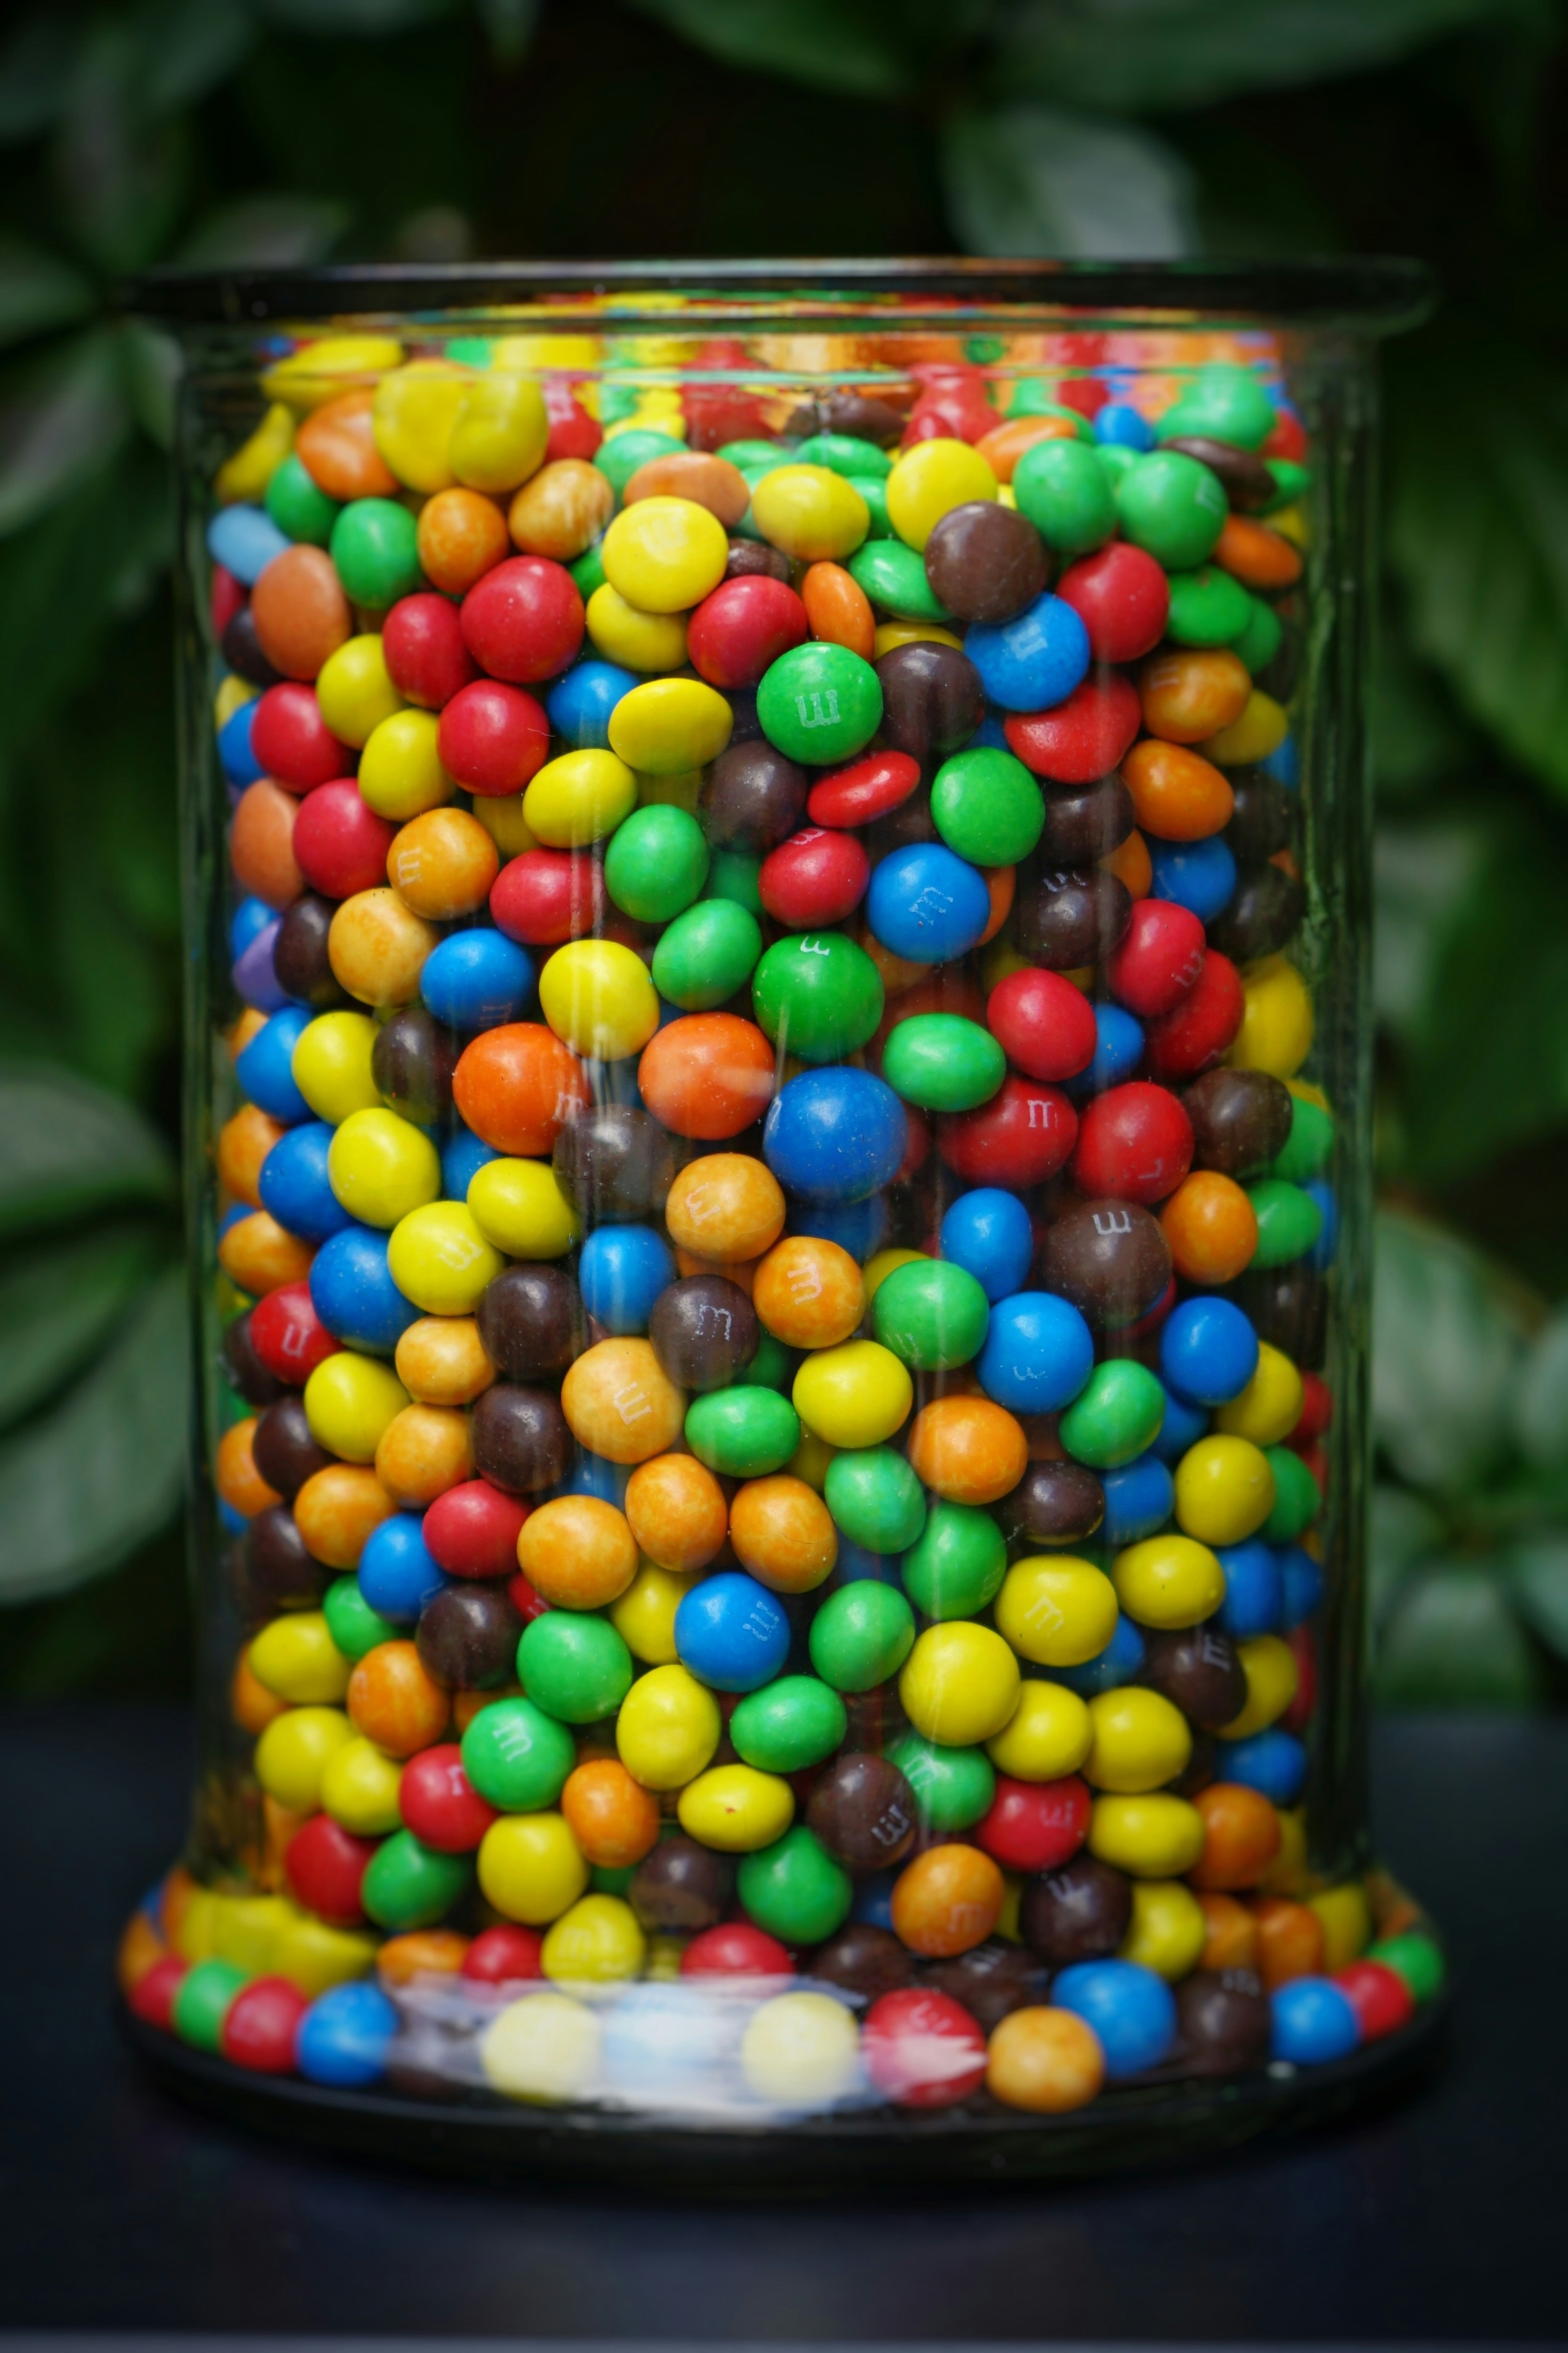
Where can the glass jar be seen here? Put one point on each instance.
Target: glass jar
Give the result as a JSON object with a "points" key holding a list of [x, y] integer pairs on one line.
{"points": [[777, 1110]]}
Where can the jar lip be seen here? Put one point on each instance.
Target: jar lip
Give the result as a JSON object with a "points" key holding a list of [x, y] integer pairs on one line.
{"points": [[1365, 294]]}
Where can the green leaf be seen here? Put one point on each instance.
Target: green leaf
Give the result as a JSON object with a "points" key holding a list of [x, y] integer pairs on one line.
{"points": [[188, 47], [38, 290], [831, 44], [58, 1305], [1403, 1531], [67, 1146], [1133, 56], [1455, 1641], [122, 165], [84, 1485], [1422, 877], [275, 231], [1417, 736], [1538, 1577], [1035, 179], [60, 417], [509, 26], [366, 18], [35, 70], [1446, 1341], [1540, 1397]]}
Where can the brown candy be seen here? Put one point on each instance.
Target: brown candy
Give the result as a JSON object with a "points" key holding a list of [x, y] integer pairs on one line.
{"points": [[1260, 816], [1197, 1670], [242, 649], [1240, 1120], [521, 1440], [614, 1165], [863, 1810], [283, 1449], [256, 1384], [1265, 912], [991, 1980], [467, 1635], [1053, 1503], [1085, 822], [751, 559], [681, 1887], [874, 1719], [986, 562], [862, 1960], [530, 1322], [411, 1062], [933, 699], [1078, 1913], [271, 1569], [751, 799], [704, 1331], [858, 414], [1110, 1258], [1066, 917], [1222, 2022], [300, 956], [1289, 1307], [1249, 484]]}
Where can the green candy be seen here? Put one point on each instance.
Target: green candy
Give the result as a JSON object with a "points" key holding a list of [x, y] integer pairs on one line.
{"points": [[954, 1787], [656, 863], [408, 1884], [788, 1725], [1415, 1956], [819, 703], [606, 1879], [817, 994], [573, 1665], [1207, 608], [1116, 459], [618, 457], [1035, 398], [298, 507], [932, 1314], [353, 1625], [754, 457], [588, 571], [795, 1890], [706, 953], [1297, 1502], [1308, 1146], [846, 454], [957, 1568], [873, 489], [1262, 637], [1289, 1220], [1224, 402], [374, 548], [517, 1757], [201, 2001], [1116, 1415], [894, 577], [733, 875], [774, 1366], [744, 1432], [1172, 507], [1062, 488], [1292, 483], [861, 1635], [942, 1061], [984, 803], [875, 1498], [617, 401]]}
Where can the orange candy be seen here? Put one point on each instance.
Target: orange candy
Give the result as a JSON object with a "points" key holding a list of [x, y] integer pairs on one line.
{"points": [[518, 1086], [562, 510], [1177, 795], [420, 1952], [808, 1293], [441, 1360], [238, 1480], [619, 1402], [968, 1449], [466, 1704], [251, 1705], [783, 1532], [395, 1701], [462, 535], [336, 1510], [1005, 444], [1256, 556], [1290, 1941], [1131, 866], [1211, 1226], [261, 844], [422, 1450], [614, 1819], [139, 1947], [442, 864], [1044, 2059], [675, 1508], [725, 1205], [300, 612], [898, 974], [707, 1075], [577, 1551], [250, 1024], [947, 1901], [256, 1254], [377, 946], [243, 1144], [839, 609], [742, 1272], [1001, 884], [1241, 1836], [695, 474], [336, 446], [1192, 693], [1231, 1938]]}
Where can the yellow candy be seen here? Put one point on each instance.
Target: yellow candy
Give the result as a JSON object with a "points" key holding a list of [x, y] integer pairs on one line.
{"points": [[890, 635], [1287, 1875], [668, 1728], [665, 555], [1272, 1675], [1267, 1409], [810, 513], [736, 1809], [801, 2051], [811, 1460], [522, 355], [381, 1166], [886, 1262], [598, 995], [359, 1789], [1141, 1741], [858, 1394], [349, 1401], [543, 2049], [598, 1942], [1276, 1033], [1168, 1929], [519, 1206], [501, 815], [232, 696], [531, 1868], [1293, 523], [1057, 1610], [247, 1929], [320, 371], [193, 1938], [1260, 730], [1156, 1837], [1347, 1923], [500, 433], [414, 410], [296, 1659], [247, 473], [400, 772], [671, 725], [293, 1753], [929, 480], [643, 1617], [330, 1063], [960, 1684], [316, 1957], [438, 1258], [1225, 1490], [641, 641], [680, 790], [998, 960], [354, 691], [578, 798], [1168, 1581], [1048, 1736]]}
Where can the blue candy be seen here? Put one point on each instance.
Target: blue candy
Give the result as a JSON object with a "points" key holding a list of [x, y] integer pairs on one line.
{"points": [[1314, 2021], [873, 1901], [344, 2037], [857, 1227], [463, 1154], [1323, 1252], [1208, 1351], [1034, 663], [478, 979], [1132, 2011], [1039, 1353], [928, 905], [1118, 1049], [265, 1068], [1254, 1590], [237, 761], [353, 1294], [989, 737], [988, 1233], [732, 1633], [1182, 1427], [1273, 1762], [250, 918], [243, 540], [1122, 426], [1197, 875], [236, 1522], [579, 705], [1122, 1659], [255, 975], [295, 1188], [836, 1134], [1284, 765], [1302, 1584], [595, 1474], [856, 1566], [622, 1271], [397, 1574], [664, 2043], [1139, 1499]]}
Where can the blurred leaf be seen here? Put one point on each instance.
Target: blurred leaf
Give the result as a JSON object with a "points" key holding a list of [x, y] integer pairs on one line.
{"points": [[1540, 1397], [35, 70], [1453, 1641], [122, 166], [272, 232], [1539, 1580], [1421, 877], [1133, 56], [833, 43], [509, 26], [1446, 1340], [188, 47], [65, 1146], [60, 416], [149, 365], [1037, 179], [367, 18], [38, 290], [58, 1305], [103, 1470], [1417, 736], [1403, 1530]]}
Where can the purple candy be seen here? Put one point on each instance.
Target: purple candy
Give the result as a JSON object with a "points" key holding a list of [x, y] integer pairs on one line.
{"points": [[253, 974]]}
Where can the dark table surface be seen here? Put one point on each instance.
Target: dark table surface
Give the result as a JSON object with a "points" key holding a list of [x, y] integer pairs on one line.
{"points": [[1438, 2217]]}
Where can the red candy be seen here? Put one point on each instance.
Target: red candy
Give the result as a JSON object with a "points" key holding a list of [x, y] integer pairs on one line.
{"points": [[573, 432], [1042, 1023], [226, 598], [340, 843], [1202, 1028], [736, 1949], [439, 1803], [492, 739], [288, 1335], [1134, 1144], [523, 621], [1317, 1411], [528, 1603], [1379, 1996], [260, 2025], [503, 1955], [742, 627], [813, 878], [1299, 1715], [1036, 1825], [1288, 440], [472, 1530], [1157, 959], [1081, 739], [871, 788], [922, 2049], [1024, 1135], [325, 1867], [545, 896], [292, 741], [151, 1997], [422, 646], [1121, 597]]}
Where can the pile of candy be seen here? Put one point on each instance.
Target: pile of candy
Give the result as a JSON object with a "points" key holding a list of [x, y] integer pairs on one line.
{"points": [[775, 1245]]}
